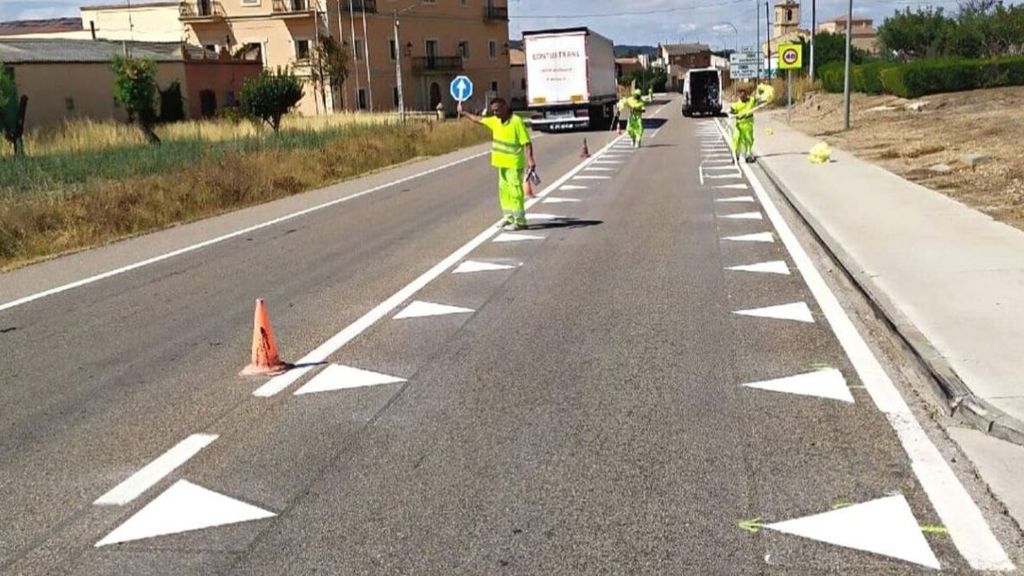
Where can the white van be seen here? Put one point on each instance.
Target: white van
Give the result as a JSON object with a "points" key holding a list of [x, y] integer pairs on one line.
{"points": [[702, 92]]}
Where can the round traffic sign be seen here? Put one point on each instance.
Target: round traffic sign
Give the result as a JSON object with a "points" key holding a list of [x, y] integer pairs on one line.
{"points": [[791, 56]]}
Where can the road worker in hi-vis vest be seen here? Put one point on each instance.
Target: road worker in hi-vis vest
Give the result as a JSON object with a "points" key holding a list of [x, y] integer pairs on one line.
{"points": [[511, 154], [635, 125], [743, 134]]}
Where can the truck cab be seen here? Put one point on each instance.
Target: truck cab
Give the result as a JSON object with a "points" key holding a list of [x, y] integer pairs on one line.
{"points": [[702, 92]]}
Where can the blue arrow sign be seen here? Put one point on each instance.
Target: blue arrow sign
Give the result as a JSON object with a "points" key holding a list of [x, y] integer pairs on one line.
{"points": [[461, 88]]}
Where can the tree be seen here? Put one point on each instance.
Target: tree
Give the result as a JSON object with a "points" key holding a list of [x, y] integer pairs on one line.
{"points": [[12, 110], [270, 96], [829, 48], [919, 34], [135, 89], [328, 66]]}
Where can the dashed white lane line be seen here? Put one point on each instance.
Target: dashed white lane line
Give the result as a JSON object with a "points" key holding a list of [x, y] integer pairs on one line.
{"points": [[319, 355], [152, 473], [592, 178], [229, 236], [971, 534], [573, 187], [737, 199], [744, 216], [556, 200]]}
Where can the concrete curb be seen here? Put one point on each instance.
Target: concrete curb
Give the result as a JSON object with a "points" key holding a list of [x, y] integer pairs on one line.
{"points": [[947, 385]]}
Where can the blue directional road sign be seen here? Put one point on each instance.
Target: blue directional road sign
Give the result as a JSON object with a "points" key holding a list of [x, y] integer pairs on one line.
{"points": [[461, 88]]}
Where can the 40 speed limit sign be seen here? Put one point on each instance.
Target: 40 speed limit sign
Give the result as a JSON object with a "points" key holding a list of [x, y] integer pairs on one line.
{"points": [[791, 57]]}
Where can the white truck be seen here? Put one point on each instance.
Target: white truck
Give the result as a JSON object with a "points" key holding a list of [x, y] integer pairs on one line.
{"points": [[570, 79]]}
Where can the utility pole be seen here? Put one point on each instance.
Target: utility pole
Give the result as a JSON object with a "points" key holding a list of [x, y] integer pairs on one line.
{"points": [[757, 21], [768, 34], [398, 72], [814, 30], [846, 79]]}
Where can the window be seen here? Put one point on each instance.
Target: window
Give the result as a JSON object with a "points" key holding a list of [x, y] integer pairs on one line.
{"points": [[392, 49], [302, 49], [464, 49], [494, 86], [394, 95], [492, 49], [357, 48], [69, 104], [464, 2], [250, 2], [432, 50], [210, 47], [363, 105]]}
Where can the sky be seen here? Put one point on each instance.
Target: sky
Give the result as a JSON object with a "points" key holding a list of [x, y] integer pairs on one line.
{"points": [[624, 21]]}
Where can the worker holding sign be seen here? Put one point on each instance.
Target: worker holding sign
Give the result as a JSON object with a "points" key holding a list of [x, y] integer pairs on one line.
{"points": [[511, 154]]}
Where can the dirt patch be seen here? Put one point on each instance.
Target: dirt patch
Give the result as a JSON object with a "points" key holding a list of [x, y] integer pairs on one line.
{"points": [[945, 130]]}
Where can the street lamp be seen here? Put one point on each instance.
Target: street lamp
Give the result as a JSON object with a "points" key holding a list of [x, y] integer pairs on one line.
{"points": [[398, 60], [735, 32]]}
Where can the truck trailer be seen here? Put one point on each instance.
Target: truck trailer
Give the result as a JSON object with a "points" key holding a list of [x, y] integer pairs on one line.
{"points": [[570, 76]]}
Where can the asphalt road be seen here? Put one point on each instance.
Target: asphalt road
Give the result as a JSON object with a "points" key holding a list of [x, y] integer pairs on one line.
{"points": [[583, 412]]}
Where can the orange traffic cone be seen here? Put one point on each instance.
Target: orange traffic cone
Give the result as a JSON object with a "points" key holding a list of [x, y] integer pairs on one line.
{"points": [[265, 359], [586, 150]]}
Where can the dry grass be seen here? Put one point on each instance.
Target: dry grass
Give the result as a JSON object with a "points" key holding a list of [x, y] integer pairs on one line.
{"points": [[89, 135], [947, 127], [204, 179]]}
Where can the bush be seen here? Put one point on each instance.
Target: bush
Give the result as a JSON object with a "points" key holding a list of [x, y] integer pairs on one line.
{"points": [[867, 78], [270, 96], [831, 76], [937, 76]]}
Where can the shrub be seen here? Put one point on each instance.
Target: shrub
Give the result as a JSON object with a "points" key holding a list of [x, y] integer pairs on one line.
{"points": [[937, 76], [831, 76], [270, 96], [135, 89], [867, 78]]}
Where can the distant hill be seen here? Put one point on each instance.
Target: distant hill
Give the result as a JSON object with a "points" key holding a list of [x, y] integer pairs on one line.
{"points": [[625, 51]]}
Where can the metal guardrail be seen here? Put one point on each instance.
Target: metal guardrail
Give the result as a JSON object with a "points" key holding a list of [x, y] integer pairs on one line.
{"points": [[437, 64]]}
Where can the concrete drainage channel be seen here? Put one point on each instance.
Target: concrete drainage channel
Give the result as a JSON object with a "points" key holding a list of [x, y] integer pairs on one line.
{"points": [[951, 392]]}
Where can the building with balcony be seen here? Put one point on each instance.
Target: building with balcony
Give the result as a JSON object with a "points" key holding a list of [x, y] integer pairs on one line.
{"points": [[138, 21], [438, 40], [863, 34]]}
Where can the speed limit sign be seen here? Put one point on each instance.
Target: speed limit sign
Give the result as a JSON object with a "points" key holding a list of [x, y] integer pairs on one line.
{"points": [[791, 57]]}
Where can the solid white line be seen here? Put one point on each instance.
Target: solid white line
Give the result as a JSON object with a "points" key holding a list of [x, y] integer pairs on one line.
{"points": [[229, 236], [152, 473], [960, 515], [319, 355]]}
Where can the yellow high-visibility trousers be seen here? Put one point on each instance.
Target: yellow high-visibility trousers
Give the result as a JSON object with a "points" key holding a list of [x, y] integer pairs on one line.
{"points": [[511, 195]]}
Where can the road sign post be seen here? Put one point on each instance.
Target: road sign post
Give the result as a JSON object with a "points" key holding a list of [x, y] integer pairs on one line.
{"points": [[461, 88], [791, 57]]}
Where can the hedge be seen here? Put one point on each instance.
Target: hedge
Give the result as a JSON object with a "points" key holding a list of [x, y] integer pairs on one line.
{"points": [[916, 79], [937, 76]]}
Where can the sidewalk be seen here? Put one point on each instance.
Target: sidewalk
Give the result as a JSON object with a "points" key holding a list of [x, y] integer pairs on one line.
{"points": [[950, 278]]}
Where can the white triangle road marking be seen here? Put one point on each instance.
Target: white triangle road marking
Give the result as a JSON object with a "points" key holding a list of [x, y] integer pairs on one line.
{"points": [[420, 309], [763, 237], [744, 216], [886, 526], [509, 237], [573, 187], [732, 187], [822, 384], [557, 200], [797, 311], [721, 168], [182, 508], [775, 267], [471, 266], [724, 176], [338, 377], [736, 199]]}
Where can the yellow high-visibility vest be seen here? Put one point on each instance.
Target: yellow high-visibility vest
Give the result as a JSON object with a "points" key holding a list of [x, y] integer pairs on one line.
{"points": [[509, 140]]}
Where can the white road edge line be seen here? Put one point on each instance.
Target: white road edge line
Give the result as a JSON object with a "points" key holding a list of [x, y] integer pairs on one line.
{"points": [[152, 473], [229, 236], [967, 526], [310, 361]]}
